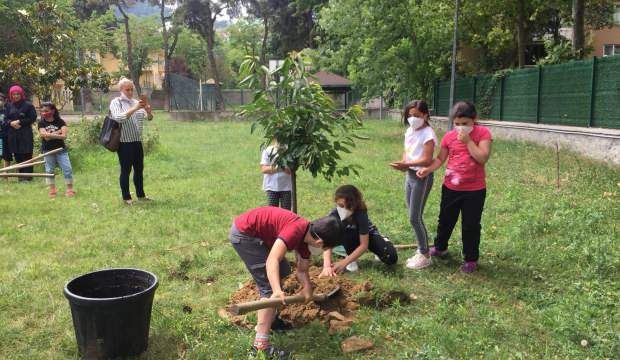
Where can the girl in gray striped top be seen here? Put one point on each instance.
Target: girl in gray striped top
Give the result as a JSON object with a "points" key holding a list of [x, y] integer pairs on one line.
{"points": [[130, 114]]}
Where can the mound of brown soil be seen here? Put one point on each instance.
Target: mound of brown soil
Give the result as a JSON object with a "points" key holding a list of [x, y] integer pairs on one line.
{"points": [[344, 303]]}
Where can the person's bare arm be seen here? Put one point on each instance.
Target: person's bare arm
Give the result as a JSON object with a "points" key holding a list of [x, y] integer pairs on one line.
{"points": [[277, 253], [424, 160], [363, 246], [480, 152], [435, 164], [268, 169], [303, 275], [327, 264]]}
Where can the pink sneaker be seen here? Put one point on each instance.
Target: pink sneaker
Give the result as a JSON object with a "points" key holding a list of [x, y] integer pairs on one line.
{"points": [[434, 252], [70, 193], [469, 267]]}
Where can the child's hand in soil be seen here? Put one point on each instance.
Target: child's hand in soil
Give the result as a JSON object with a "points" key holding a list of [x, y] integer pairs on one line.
{"points": [[339, 266], [328, 271]]}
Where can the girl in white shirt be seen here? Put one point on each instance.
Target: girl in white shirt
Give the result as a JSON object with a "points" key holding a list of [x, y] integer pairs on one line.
{"points": [[276, 180], [420, 142]]}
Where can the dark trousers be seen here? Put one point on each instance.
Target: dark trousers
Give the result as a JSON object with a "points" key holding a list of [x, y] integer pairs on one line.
{"points": [[376, 244], [131, 155], [279, 199], [27, 170], [470, 205]]}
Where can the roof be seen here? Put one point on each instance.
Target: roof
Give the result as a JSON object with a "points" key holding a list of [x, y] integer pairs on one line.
{"points": [[328, 79]]}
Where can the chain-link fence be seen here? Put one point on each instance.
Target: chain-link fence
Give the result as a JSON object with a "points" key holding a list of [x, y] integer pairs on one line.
{"points": [[577, 93], [192, 95]]}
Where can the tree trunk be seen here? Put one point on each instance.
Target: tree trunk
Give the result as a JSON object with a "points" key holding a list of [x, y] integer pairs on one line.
{"points": [[521, 37], [165, 35], [578, 28], [263, 50], [294, 190], [135, 76], [219, 99]]}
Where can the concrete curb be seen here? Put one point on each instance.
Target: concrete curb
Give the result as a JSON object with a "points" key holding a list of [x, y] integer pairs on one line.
{"points": [[594, 143]]}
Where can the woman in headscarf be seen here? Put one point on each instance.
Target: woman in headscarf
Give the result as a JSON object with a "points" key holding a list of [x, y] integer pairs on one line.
{"points": [[130, 114], [20, 115], [3, 130]]}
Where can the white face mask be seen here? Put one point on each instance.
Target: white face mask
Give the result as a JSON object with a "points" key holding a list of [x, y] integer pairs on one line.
{"points": [[343, 213], [315, 251], [415, 122], [464, 128]]}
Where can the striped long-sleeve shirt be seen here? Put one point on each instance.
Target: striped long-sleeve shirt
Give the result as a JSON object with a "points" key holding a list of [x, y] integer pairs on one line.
{"points": [[132, 127]]}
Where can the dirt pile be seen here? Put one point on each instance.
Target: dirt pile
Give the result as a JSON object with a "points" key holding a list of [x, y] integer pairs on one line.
{"points": [[340, 309]]}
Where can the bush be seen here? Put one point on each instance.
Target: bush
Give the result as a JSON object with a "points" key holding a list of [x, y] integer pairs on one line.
{"points": [[84, 135], [83, 139]]}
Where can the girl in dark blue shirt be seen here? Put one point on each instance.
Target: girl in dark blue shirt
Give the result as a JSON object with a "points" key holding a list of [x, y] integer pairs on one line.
{"points": [[360, 234]]}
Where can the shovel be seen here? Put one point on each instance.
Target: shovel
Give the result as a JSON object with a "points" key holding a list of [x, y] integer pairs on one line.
{"points": [[243, 308]]}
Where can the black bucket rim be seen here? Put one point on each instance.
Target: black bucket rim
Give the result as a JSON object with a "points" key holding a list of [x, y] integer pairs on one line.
{"points": [[73, 297]]}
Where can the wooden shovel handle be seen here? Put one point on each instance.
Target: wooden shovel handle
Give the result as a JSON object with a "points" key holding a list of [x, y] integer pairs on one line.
{"points": [[243, 308]]}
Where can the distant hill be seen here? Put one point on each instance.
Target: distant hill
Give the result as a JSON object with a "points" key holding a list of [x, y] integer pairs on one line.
{"points": [[142, 9]]}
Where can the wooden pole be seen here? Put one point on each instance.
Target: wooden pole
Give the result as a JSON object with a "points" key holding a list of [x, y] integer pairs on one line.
{"points": [[43, 155], [405, 246], [26, 175], [21, 166]]}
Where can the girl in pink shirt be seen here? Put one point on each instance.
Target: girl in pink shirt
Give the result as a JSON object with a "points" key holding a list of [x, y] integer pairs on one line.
{"points": [[467, 148]]}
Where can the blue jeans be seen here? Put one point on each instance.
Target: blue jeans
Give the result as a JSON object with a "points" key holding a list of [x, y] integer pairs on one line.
{"points": [[62, 159]]}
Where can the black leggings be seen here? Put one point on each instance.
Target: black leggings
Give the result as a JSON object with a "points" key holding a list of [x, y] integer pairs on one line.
{"points": [[376, 244], [131, 155]]}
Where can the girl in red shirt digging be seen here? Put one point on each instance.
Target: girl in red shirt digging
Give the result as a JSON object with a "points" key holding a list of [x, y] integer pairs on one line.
{"points": [[467, 148], [262, 237]]}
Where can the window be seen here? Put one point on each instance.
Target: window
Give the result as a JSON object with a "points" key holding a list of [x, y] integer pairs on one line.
{"points": [[611, 49]]}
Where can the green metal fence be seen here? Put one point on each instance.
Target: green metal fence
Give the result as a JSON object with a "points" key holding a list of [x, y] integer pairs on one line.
{"points": [[578, 93]]}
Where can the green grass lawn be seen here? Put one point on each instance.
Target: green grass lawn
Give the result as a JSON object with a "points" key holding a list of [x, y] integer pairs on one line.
{"points": [[549, 268]]}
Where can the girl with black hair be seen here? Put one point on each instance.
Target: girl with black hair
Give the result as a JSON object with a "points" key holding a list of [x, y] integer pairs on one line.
{"points": [[53, 131]]}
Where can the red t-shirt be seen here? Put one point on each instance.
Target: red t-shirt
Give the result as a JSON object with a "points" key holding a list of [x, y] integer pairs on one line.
{"points": [[270, 223], [463, 172]]}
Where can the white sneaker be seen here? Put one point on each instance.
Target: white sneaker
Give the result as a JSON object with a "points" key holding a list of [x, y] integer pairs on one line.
{"points": [[352, 267], [418, 261]]}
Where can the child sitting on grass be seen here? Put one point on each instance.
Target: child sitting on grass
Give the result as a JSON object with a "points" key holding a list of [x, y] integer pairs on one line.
{"points": [[53, 131], [467, 148]]}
